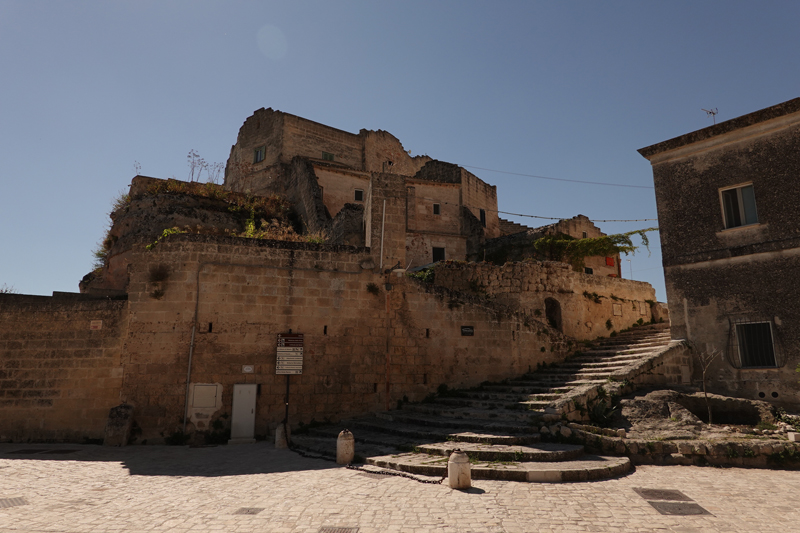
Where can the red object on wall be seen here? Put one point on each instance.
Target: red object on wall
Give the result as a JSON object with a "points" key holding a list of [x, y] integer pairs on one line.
{"points": [[610, 261]]}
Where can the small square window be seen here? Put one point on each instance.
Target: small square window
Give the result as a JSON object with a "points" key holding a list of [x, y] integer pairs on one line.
{"points": [[359, 195], [258, 154], [738, 206], [585, 234], [436, 210], [438, 254], [587, 270], [326, 156], [755, 345], [483, 218]]}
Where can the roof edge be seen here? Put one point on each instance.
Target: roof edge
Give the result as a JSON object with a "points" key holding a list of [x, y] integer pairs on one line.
{"points": [[762, 115]]}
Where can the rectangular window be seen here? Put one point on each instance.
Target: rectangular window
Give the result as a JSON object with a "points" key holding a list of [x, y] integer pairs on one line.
{"points": [[436, 210], [483, 218], [438, 254], [755, 344], [739, 206], [585, 235], [359, 195], [327, 156], [587, 270], [258, 154]]}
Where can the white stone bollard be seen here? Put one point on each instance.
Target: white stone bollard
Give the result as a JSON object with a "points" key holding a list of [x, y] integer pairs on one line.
{"points": [[281, 437], [345, 448], [458, 470]]}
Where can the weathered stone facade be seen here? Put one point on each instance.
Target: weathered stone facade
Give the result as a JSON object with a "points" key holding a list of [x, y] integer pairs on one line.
{"points": [[728, 200]]}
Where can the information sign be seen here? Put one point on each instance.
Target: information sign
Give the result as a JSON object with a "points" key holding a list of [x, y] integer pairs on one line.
{"points": [[290, 354]]}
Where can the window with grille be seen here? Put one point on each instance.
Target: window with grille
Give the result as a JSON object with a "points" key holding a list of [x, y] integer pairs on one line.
{"points": [[359, 195], [326, 156], [436, 209], [739, 206]]}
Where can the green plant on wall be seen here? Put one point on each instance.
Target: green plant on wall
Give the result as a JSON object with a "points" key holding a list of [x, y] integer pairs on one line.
{"points": [[574, 251]]}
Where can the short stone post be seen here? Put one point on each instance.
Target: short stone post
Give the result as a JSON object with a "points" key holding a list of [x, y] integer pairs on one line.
{"points": [[345, 448], [281, 437], [458, 470]]}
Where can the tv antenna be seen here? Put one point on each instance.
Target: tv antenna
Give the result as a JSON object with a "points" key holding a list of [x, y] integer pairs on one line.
{"points": [[712, 113]]}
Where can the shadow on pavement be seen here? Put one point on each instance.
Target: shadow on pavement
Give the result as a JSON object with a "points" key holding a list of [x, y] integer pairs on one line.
{"points": [[233, 460]]}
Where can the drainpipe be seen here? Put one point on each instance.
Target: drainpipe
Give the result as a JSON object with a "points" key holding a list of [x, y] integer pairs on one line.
{"points": [[383, 222]]}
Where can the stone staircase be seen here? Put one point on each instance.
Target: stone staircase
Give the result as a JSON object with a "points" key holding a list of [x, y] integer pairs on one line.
{"points": [[499, 425]]}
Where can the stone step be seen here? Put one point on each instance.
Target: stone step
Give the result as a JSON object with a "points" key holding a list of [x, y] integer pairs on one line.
{"points": [[512, 387], [429, 434], [474, 416], [511, 396], [326, 447], [546, 452], [579, 369], [588, 468], [495, 426]]}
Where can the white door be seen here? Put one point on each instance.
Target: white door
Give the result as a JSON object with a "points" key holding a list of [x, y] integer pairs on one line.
{"points": [[243, 421]]}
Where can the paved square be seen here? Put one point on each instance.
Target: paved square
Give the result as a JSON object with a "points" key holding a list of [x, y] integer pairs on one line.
{"points": [[159, 488]]}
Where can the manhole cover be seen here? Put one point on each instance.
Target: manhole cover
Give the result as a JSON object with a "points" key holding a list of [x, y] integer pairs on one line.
{"points": [[663, 494], [249, 510], [679, 508], [60, 451], [26, 452], [329, 529], [12, 502]]}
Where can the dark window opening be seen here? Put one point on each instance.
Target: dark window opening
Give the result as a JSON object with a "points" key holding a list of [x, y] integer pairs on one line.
{"points": [[585, 234], [210, 326], [588, 270], [258, 154], [438, 254], [326, 156], [427, 333], [755, 345], [424, 379], [552, 311], [390, 163], [358, 196], [374, 387], [739, 207], [436, 209], [325, 330], [483, 218]]}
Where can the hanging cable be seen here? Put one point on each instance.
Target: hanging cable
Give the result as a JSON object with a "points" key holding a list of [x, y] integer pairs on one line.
{"points": [[561, 179]]}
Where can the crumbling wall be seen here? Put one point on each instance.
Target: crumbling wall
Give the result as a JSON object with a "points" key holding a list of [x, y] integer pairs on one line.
{"points": [[339, 185], [383, 152], [370, 339], [60, 366], [306, 196], [478, 195], [582, 306], [347, 226], [263, 128]]}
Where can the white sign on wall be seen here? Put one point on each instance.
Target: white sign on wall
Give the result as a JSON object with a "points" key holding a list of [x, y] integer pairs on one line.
{"points": [[290, 354]]}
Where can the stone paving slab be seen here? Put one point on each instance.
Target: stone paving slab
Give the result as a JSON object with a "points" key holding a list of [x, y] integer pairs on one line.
{"points": [[507, 452], [179, 489]]}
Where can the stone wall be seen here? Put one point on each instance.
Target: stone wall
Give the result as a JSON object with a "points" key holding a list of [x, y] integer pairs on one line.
{"points": [[370, 339], [60, 370], [582, 306], [339, 186]]}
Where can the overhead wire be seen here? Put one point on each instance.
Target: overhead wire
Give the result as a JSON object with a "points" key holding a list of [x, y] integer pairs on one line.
{"points": [[561, 179]]}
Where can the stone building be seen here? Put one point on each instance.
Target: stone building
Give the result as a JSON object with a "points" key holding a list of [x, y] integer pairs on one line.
{"points": [[178, 324], [728, 202]]}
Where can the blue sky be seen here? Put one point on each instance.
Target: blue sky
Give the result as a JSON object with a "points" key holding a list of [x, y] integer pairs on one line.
{"points": [[561, 89]]}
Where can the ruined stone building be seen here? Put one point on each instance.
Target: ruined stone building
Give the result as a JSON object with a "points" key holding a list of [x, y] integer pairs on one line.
{"points": [[179, 323], [728, 200]]}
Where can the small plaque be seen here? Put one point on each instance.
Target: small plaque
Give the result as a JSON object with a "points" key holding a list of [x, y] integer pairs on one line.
{"points": [[467, 331], [248, 369], [617, 308], [96, 325]]}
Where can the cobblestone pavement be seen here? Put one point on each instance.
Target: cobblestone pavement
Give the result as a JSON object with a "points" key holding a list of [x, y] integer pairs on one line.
{"points": [[158, 488]]}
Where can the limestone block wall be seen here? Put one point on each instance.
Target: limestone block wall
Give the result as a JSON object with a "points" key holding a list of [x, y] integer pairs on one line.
{"points": [[370, 339], [582, 306], [383, 152], [60, 370], [476, 195], [386, 223], [306, 138], [339, 185]]}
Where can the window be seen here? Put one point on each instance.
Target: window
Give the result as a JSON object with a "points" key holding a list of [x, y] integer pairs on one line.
{"points": [[438, 254], [585, 235], [756, 348], [258, 154], [327, 156], [739, 206], [436, 210], [483, 218], [359, 195], [587, 270]]}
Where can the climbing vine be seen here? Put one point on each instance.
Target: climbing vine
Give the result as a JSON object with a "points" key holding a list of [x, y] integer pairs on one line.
{"points": [[570, 250]]}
